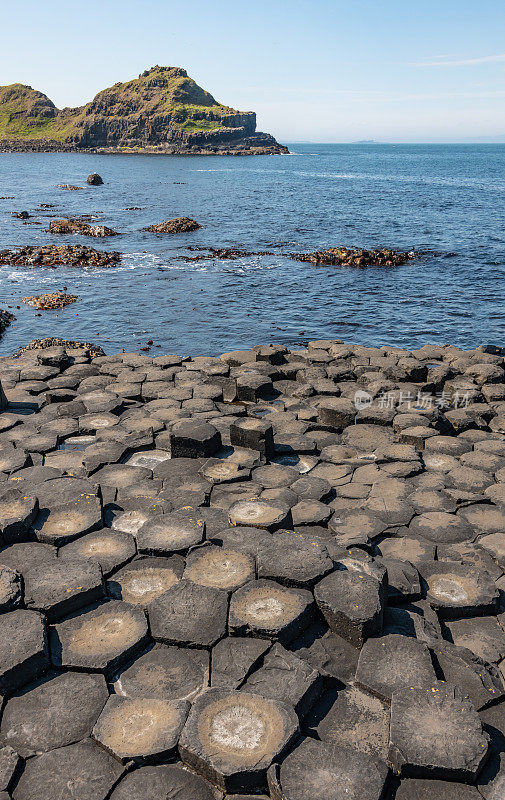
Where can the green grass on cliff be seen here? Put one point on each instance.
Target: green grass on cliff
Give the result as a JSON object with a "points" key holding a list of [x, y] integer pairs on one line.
{"points": [[161, 92]]}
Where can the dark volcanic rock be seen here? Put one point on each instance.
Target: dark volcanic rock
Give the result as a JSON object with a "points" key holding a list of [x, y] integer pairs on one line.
{"points": [[342, 256], [179, 225], [82, 771], [94, 179], [24, 656], [60, 710], [154, 783], [68, 226], [322, 770], [456, 747], [49, 255], [231, 738]]}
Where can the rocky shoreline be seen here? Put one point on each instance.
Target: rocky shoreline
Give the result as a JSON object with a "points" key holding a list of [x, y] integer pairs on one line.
{"points": [[257, 144], [276, 573]]}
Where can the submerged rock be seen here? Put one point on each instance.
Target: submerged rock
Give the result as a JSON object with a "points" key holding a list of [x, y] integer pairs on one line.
{"points": [[178, 225], [49, 255], [5, 320], [77, 226], [345, 257], [43, 302], [94, 179]]}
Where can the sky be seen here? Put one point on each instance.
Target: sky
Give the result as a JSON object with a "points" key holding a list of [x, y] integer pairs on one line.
{"points": [[313, 70]]}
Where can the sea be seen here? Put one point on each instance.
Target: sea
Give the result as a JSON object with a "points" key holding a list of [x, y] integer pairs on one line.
{"points": [[446, 202]]}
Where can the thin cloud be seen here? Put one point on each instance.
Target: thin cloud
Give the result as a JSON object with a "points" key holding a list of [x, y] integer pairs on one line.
{"points": [[463, 62]]}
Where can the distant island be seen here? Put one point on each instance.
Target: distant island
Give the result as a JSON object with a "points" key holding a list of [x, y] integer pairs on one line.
{"points": [[161, 111]]}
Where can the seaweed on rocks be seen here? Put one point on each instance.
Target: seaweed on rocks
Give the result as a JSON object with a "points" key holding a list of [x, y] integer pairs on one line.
{"points": [[345, 257], [52, 255]]}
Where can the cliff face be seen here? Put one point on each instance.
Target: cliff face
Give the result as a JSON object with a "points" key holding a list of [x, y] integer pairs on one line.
{"points": [[163, 110]]}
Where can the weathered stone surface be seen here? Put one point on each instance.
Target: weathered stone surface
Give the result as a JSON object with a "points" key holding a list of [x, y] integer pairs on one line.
{"points": [[359, 721], [101, 639], [145, 579], [165, 673], [352, 602], [189, 615], [234, 658], [269, 515], [335, 658], [9, 765], [481, 681], [266, 609], [456, 747], [441, 528], [24, 655], [53, 713], [110, 549], [285, 677], [231, 738], [418, 789], [294, 560], [69, 521], [391, 663], [256, 434], [17, 513], [458, 590], [140, 730], [165, 534], [61, 588], [11, 592], [194, 439], [319, 769], [82, 771], [171, 780], [219, 567], [25, 555]]}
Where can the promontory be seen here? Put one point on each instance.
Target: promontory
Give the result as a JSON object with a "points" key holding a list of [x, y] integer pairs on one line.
{"points": [[161, 111]]}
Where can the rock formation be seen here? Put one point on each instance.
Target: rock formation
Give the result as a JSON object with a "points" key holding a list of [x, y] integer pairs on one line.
{"points": [[273, 574], [161, 111]]}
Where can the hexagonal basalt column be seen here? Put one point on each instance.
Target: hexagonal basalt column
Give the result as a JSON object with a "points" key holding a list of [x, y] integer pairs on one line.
{"points": [[165, 534], [189, 614], [101, 639], [17, 512], [219, 568], [54, 713], [167, 780], [194, 439], [111, 549], [69, 521], [266, 609], [61, 588], [265, 514], [320, 770], [436, 733], [352, 601], [139, 730], [165, 673], [82, 771], [392, 662], [231, 738], [24, 655], [459, 590], [145, 579]]}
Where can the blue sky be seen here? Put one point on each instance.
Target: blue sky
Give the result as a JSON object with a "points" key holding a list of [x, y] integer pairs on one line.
{"points": [[325, 71]]}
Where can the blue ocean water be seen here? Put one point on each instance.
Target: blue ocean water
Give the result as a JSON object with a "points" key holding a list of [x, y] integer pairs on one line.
{"points": [[440, 198]]}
